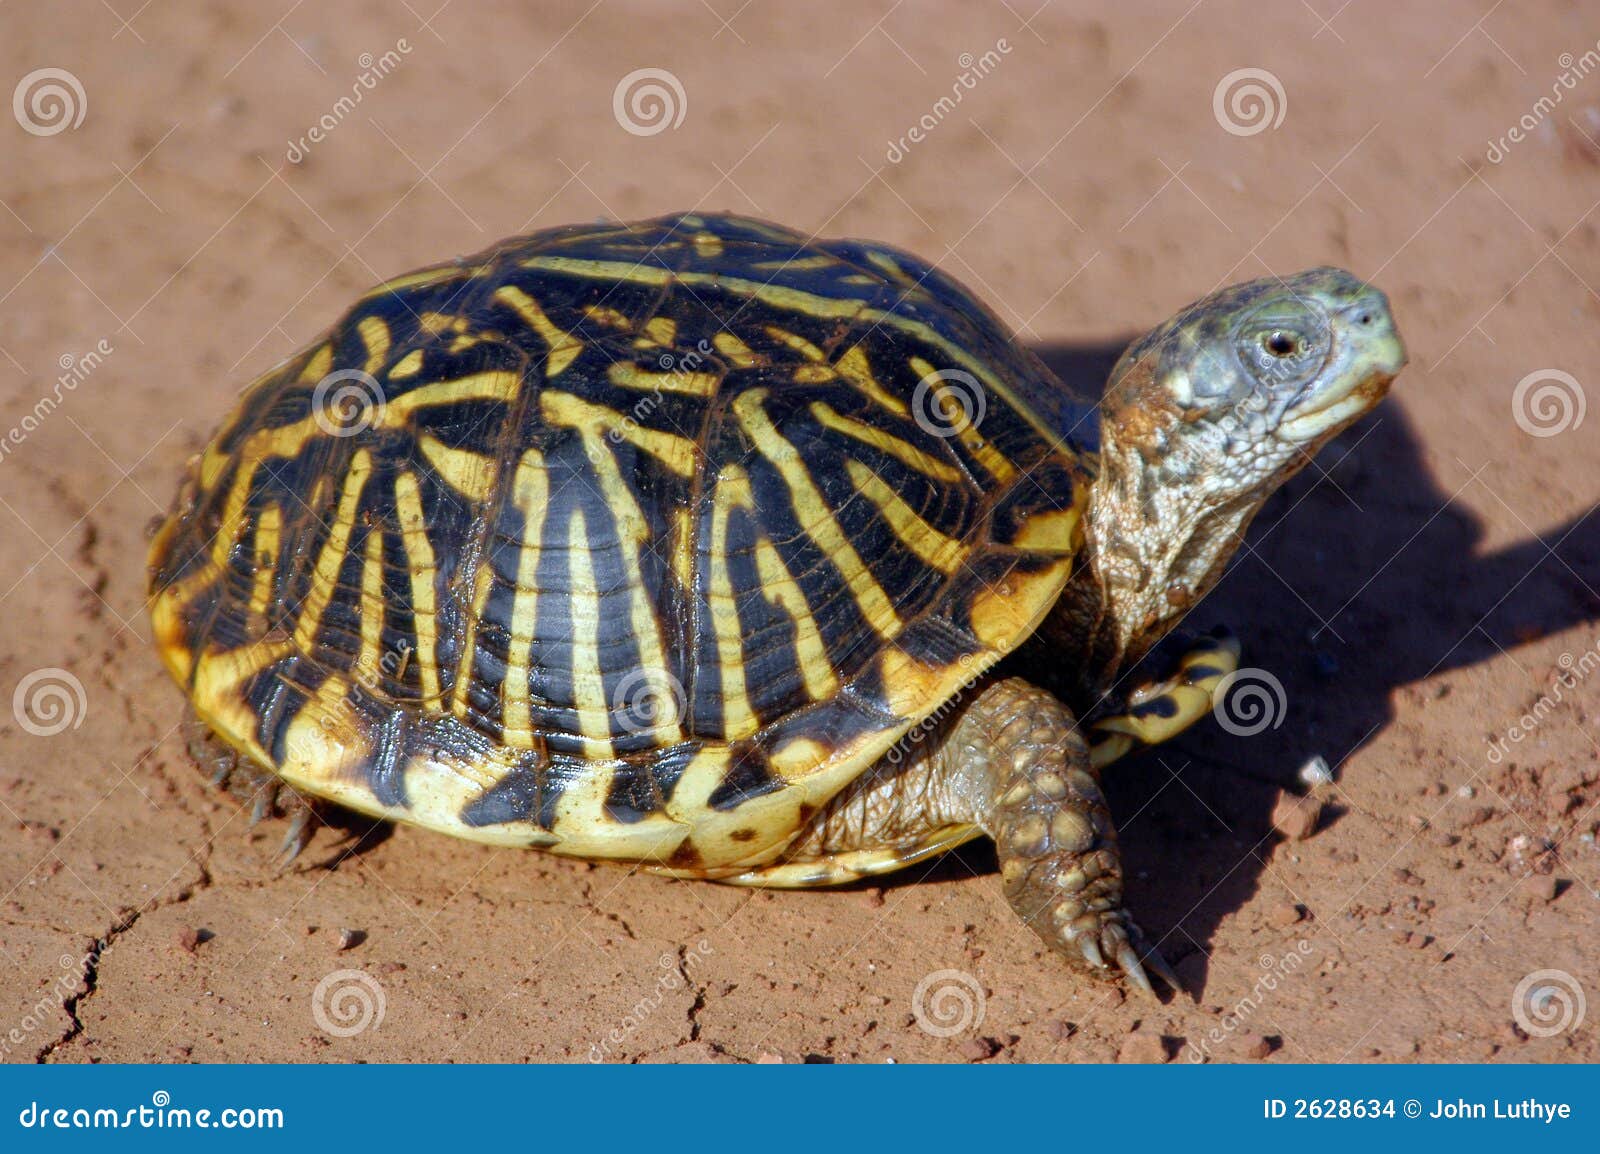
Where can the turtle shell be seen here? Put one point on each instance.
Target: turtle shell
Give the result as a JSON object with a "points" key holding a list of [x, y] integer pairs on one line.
{"points": [[632, 541]]}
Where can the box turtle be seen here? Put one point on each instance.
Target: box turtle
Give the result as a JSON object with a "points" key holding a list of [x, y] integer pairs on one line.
{"points": [[697, 544]]}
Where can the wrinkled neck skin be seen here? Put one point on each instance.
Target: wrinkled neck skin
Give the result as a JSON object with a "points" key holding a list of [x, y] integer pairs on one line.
{"points": [[1154, 546]]}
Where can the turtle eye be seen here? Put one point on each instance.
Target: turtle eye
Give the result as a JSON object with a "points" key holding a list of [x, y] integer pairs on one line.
{"points": [[1280, 344]]}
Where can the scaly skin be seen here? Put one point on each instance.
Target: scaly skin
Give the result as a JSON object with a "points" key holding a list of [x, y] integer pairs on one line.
{"points": [[1059, 860]]}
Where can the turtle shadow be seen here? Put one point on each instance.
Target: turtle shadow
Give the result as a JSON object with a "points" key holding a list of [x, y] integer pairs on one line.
{"points": [[1362, 578]]}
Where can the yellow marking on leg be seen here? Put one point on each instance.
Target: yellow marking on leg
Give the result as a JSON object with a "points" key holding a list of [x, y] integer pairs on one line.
{"points": [[375, 336], [408, 366], [468, 473], [630, 376], [738, 718], [937, 550], [563, 346], [736, 352], [675, 452], [325, 574], [885, 442], [957, 417], [420, 564], [854, 367], [588, 687], [530, 493], [369, 661], [483, 582], [269, 529], [782, 590], [813, 513]]}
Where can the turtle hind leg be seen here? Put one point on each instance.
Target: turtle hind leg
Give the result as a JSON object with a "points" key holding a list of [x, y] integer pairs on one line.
{"points": [[267, 794], [1018, 753]]}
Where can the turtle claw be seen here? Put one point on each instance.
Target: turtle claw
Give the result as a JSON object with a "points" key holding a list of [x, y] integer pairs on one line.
{"points": [[1091, 952], [296, 838]]}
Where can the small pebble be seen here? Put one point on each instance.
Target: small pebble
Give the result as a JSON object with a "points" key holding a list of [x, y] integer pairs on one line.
{"points": [[350, 939], [1254, 1046], [1547, 887], [188, 939], [1316, 772], [979, 1049], [1143, 1049], [1059, 1029], [1283, 914], [1296, 817]]}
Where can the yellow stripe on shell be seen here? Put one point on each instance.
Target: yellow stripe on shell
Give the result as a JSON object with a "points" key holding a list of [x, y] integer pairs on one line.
{"points": [[736, 352], [634, 536], [738, 718], [482, 584], [369, 661], [268, 542], [886, 442], [469, 474], [628, 375], [563, 346], [808, 304], [530, 493], [583, 616], [422, 568], [785, 593], [814, 514], [325, 573], [957, 418], [937, 550], [677, 453], [375, 336]]}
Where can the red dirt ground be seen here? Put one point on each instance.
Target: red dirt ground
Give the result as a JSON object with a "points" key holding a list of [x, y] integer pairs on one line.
{"points": [[1416, 595]]}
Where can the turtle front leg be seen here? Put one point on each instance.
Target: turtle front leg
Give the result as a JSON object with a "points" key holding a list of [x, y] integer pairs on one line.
{"points": [[1018, 754]]}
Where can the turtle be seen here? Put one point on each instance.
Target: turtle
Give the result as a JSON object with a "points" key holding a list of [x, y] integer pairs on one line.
{"points": [[710, 547]]}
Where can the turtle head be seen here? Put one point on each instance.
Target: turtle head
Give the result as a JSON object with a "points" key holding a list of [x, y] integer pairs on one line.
{"points": [[1206, 415]]}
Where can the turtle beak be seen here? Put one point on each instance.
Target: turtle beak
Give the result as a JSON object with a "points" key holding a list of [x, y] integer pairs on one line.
{"points": [[1367, 355]]}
